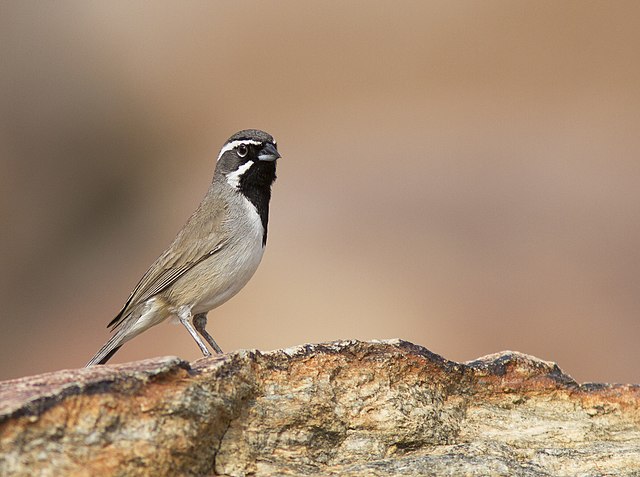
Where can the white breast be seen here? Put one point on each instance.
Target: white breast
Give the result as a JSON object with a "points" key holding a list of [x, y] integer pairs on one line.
{"points": [[236, 263]]}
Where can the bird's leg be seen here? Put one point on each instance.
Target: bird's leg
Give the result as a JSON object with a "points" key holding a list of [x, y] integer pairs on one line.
{"points": [[184, 314], [200, 322]]}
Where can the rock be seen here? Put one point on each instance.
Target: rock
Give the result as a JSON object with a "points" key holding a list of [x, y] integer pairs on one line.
{"points": [[346, 408]]}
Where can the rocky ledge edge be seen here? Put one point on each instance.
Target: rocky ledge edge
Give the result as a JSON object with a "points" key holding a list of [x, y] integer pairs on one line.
{"points": [[346, 408]]}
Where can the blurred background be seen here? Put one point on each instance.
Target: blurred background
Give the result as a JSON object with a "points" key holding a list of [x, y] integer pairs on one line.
{"points": [[464, 175]]}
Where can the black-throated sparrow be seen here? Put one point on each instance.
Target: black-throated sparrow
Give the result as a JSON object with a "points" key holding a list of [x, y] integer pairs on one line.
{"points": [[214, 255]]}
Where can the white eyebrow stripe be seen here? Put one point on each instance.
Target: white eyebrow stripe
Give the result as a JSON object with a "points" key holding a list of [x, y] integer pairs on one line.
{"points": [[233, 144], [233, 178]]}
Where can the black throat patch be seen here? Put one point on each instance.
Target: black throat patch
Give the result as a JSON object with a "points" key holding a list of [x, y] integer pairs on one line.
{"points": [[255, 185]]}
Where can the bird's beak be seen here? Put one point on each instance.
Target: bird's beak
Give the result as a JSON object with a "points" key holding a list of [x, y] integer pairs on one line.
{"points": [[268, 153]]}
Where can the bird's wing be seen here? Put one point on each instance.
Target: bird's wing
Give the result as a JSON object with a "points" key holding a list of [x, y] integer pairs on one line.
{"points": [[187, 250]]}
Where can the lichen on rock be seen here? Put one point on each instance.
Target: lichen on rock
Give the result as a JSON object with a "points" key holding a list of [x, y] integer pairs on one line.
{"points": [[346, 408]]}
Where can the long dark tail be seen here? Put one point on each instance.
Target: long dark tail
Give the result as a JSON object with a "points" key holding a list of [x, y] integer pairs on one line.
{"points": [[105, 359], [110, 348], [125, 330]]}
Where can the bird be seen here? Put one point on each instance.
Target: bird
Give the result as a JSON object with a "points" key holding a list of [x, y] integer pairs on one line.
{"points": [[215, 253]]}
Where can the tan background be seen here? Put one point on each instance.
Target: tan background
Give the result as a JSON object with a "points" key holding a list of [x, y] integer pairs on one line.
{"points": [[464, 175]]}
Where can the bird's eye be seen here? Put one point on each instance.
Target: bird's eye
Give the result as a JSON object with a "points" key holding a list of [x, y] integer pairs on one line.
{"points": [[242, 150]]}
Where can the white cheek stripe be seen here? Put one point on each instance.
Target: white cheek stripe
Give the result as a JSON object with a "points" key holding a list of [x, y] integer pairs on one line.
{"points": [[233, 178], [233, 144]]}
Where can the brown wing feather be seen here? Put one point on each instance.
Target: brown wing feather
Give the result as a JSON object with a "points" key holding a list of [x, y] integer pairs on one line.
{"points": [[196, 242]]}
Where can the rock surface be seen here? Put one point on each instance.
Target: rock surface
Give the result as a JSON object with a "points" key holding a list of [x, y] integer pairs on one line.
{"points": [[346, 408]]}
